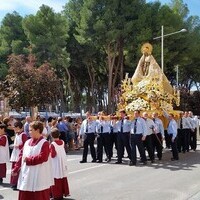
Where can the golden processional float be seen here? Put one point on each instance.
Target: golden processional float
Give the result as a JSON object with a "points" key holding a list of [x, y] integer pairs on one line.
{"points": [[149, 89]]}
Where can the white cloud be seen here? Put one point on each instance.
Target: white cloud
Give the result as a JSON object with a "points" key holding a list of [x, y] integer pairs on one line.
{"points": [[32, 5], [6, 5]]}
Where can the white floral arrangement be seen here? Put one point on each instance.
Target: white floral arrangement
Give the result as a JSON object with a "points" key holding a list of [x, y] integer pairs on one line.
{"points": [[148, 94], [166, 106], [138, 104]]}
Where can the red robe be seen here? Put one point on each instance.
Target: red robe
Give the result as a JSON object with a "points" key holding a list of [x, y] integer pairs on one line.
{"points": [[60, 187], [14, 179], [3, 165], [35, 160]]}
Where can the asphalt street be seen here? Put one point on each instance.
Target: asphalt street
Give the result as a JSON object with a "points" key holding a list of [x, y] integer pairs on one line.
{"points": [[162, 180]]}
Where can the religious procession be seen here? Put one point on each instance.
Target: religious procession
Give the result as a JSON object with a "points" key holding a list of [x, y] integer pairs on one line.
{"points": [[145, 118], [143, 126]]}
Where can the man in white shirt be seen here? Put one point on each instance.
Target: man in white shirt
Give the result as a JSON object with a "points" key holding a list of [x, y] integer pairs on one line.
{"points": [[158, 135], [148, 141], [189, 130], [26, 126], [123, 136], [183, 126], [103, 138], [172, 131], [88, 130], [138, 135], [193, 133]]}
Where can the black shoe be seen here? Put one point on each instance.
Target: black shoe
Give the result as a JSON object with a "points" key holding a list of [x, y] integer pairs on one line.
{"points": [[83, 161], [108, 160], [93, 161], [132, 164], [14, 187], [152, 161], [118, 162], [99, 161], [1, 180], [144, 163], [173, 159]]}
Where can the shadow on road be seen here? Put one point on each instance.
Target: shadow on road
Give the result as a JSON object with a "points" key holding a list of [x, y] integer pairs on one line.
{"points": [[5, 185], [187, 161]]}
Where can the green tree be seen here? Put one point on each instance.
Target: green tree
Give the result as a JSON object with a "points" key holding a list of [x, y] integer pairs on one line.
{"points": [[27, 85], [97, 26], [12, 40], [47, 32]]}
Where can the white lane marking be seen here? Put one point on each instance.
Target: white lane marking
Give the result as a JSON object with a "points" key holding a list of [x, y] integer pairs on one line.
{"points": [[85, 169], [74, 172], [4, 189], [72, 159]]}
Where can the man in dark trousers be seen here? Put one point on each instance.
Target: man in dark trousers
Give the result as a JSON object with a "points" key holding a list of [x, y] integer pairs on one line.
{"points": [[123, 136], [138, 135], [88, 130], [103, 138], [158, 135], [172, 131], [183, 125]]}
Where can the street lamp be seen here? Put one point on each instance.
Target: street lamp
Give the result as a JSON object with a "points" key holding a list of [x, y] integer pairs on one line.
{"points": [[162, 42]]}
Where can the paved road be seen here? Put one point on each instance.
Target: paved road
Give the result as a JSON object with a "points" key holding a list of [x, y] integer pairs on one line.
{"points": [[163, 180]]}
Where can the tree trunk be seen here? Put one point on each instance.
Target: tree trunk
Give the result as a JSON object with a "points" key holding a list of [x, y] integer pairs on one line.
{"points": [[111, 63], [115, 70], [70, 88], [91, 72]]}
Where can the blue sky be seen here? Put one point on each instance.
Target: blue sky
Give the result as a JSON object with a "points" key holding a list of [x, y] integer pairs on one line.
{"points": [[193, 5], [26, 7]]}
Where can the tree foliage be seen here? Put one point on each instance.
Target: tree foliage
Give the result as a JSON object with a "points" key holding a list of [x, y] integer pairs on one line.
{"points": [[27, 85], [90, 46]]}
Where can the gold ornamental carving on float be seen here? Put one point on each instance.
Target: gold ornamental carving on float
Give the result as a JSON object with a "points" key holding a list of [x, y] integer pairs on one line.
{"points": [[148, 89]]}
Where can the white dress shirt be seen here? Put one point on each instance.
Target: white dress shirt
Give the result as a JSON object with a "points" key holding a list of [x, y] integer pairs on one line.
{"points": [[189, 124], [103, 126], [126, 125], [172, 128], [150, 126], [139, 127], [114, 126], [88, 126], [185, 123], [159, 126], [193, 122]]}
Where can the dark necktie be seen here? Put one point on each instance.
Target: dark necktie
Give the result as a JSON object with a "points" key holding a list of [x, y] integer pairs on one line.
{"points": [[122, 124], [101, 129], [135, 126], [181, 123], [86, 127]]}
